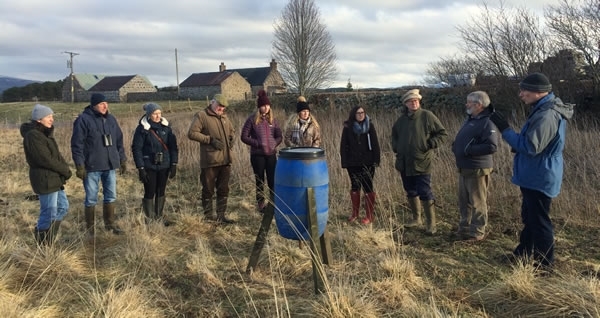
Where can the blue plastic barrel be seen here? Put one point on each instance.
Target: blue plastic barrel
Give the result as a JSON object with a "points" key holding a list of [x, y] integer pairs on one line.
{"points": [[297, 170]]}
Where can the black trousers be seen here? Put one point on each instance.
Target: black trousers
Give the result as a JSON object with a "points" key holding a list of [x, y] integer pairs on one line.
{"points": [[537, 237], [262, 165], [362, 177], [157, 183]]}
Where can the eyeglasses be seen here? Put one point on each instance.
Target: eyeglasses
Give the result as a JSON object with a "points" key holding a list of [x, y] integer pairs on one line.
{"points": [[360, 113]]}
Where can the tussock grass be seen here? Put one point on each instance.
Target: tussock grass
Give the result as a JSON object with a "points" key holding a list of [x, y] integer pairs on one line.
{"points": [[197, 269], [523, 293]]}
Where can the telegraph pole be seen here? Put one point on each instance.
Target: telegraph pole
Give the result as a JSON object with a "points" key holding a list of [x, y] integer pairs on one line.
{"points": [[70, 65], [177, 72]]}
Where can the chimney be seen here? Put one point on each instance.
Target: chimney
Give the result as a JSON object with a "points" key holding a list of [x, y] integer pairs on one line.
{"points": [[273, 65], [222, 67]]}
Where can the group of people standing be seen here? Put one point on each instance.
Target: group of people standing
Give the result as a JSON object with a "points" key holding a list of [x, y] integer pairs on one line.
{"points": [[97, 151]]}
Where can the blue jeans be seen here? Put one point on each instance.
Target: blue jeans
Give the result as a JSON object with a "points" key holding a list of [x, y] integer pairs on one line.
{"points": [[419, 185], [53, 207], [109, 186]]}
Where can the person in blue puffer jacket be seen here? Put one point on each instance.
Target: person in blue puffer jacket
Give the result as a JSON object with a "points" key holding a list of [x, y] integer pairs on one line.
{"points": [[538, 164], [155, 153]]}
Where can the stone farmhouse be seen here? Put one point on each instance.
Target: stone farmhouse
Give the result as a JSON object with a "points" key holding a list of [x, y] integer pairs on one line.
{"points": [[81, 84], [203, 86], [115, 88], [235, 84]]}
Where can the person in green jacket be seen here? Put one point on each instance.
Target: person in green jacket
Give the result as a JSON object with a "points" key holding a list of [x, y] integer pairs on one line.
{"points": [[48, 172], [414, 136]]}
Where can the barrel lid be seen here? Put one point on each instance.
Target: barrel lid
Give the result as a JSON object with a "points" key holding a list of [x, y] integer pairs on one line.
{"points": [[302, 153]]}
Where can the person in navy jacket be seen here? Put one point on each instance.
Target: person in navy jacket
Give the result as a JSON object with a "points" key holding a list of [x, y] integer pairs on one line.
{"points": [[155, 153], [97, 150]]}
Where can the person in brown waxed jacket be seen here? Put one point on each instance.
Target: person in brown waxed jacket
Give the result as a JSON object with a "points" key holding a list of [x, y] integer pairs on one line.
{"points": [[213, 130]]}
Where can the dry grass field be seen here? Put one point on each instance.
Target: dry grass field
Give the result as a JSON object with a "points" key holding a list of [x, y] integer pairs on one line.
{"points": [[197, 269]]}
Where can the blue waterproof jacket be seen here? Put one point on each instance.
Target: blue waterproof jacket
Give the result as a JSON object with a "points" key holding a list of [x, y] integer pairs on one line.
{"points": [[87, 143], [538, 162]]}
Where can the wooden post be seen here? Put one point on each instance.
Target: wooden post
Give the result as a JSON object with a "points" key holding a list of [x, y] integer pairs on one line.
{"points": [[261, 237], [315, 255]]}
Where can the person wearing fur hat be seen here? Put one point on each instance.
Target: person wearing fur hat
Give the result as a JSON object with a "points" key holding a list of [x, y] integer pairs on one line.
{"points": [[537, 164], [360, 155], [155, 153], [98, 152], [415, 135], [48, 172], [263, 134], [302, 129]]}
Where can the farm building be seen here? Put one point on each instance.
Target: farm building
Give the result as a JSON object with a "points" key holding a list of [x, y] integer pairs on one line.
{"points": [[203, 86], [81, 84], [236, 84], [116, 88]]}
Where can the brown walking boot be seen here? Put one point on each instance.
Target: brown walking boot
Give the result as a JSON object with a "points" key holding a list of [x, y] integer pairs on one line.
{"points": [[415, 208], [108, 212]]}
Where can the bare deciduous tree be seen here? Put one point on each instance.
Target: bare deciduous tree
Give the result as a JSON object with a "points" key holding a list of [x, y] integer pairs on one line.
{"points": [[304, 48], [576, 24], [441, 70], [504, 41]]}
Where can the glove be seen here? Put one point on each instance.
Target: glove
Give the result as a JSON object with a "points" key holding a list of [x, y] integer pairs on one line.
{"points": [[81, 173], [123, 167], [143, 175], [499, 120], [230, 142], [173, 171], [69, 175], [216, 143]]}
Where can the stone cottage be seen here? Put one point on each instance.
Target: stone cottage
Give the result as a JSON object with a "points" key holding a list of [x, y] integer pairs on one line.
{"points": [[203, 86], [267, 78], [116, 88], [81, 84]]}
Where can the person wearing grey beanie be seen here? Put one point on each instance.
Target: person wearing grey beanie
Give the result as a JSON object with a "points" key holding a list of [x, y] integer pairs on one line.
{"points": [[155, 153], [48, 172]]}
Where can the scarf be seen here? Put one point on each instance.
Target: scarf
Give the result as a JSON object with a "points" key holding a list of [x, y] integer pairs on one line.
{"points": [[299, 129], [361, 128]]}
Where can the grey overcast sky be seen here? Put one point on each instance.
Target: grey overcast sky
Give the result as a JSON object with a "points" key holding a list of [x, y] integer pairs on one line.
{"points": [[379, 43]]}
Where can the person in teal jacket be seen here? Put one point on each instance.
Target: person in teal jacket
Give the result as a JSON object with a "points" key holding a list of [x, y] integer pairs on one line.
{"points": [[538, 164]]}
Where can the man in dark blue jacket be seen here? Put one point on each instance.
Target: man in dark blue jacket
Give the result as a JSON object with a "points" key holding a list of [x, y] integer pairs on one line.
{"points": [[97, 150], [538, 164], [473, 147]]}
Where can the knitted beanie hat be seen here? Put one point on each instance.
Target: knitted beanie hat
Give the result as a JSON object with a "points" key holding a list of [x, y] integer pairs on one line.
{"points": [[40, 111], [536, 82], [262, 99], [96, 99], [302, 104], [151, 108]]}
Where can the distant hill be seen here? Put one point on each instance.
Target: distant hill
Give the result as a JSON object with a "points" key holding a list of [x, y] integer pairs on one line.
{"points": [[8, 82]]}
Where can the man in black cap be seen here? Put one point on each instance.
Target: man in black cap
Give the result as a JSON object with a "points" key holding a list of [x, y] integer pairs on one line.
{"points": [[97, 150], [538, 164]]}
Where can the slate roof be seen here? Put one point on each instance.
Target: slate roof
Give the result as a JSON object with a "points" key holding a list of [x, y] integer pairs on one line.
{"points": [[256, 76], [206, 79], [114, 83]]}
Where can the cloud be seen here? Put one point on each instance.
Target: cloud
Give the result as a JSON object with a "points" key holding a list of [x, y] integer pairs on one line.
{"points": [[378, 43]]}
